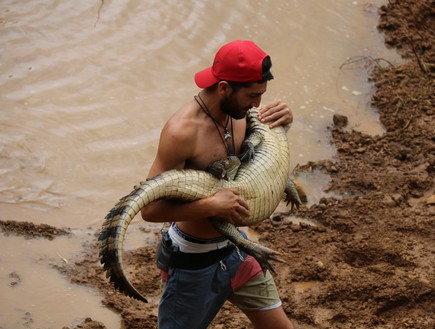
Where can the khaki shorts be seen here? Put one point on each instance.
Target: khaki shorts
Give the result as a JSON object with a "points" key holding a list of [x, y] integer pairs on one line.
{"points": [[259, 293]]}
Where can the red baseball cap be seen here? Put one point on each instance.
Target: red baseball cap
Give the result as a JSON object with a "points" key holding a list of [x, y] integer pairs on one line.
{"points": [[237, 61]]}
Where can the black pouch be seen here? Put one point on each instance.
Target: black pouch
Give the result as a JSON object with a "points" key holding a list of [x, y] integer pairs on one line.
{"points": [[164, 252]]}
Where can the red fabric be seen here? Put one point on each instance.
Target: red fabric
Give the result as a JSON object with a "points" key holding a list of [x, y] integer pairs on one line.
{"points": [[248, 270], [164, 276]]}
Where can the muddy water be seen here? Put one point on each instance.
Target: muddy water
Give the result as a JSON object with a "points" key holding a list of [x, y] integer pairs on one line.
{"points": [[85, 90]]}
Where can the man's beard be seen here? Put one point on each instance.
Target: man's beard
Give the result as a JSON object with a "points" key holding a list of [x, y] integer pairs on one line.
{"points": [[230, 106]]}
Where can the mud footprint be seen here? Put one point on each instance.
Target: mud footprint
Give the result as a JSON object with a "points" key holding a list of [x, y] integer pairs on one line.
{"points": [[15, 279]]}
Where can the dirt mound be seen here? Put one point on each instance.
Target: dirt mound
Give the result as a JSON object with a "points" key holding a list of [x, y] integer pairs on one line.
{"points": [[31, 230]]}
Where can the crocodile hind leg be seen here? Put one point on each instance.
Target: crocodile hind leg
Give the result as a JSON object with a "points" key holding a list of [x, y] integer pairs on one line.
{"points": [[261, 253], [295, 195]]}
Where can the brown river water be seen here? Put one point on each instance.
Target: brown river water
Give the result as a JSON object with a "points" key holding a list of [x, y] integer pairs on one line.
{"points": [[87, 85]]}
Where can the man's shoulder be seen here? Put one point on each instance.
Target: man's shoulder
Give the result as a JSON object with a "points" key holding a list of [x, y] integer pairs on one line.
{"points": [[181, 126]]}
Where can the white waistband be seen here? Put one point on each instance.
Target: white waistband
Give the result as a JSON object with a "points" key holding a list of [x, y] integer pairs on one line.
{"points": [[192, 247]]}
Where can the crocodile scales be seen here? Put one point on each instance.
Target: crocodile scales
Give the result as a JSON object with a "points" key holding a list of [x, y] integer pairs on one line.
{"points": [[262, 182]]}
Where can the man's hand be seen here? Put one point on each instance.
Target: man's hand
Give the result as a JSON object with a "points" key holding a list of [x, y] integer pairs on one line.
{"points": [[230, 206], [278, 111]]}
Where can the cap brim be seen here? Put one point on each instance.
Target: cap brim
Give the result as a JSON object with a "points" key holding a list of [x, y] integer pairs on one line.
{"points": [[205, 78]]}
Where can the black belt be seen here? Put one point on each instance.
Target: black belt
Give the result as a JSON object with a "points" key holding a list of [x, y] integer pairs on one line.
{"points": [[196, 261]]}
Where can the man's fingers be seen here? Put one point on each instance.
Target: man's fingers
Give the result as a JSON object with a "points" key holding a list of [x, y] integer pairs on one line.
{"points": [[278, 122], [267, 107], [244, 205]]}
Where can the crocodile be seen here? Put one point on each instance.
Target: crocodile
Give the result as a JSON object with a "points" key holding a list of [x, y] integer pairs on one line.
{"points": [[261, 178]]}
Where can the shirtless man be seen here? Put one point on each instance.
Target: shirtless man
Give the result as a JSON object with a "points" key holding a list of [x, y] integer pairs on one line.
{"points": [[207, 129]]}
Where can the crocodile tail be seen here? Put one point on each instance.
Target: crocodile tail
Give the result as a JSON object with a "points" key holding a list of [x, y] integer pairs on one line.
{"points": [[111, 241], [171, 184]]}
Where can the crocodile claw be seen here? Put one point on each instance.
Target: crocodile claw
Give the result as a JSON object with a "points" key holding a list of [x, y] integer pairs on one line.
{"points": [[295, 195], [263, 255], [248, 151]]}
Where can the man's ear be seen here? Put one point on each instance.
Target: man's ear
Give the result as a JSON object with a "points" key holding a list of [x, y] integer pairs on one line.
{"points": [[224, 88]]}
